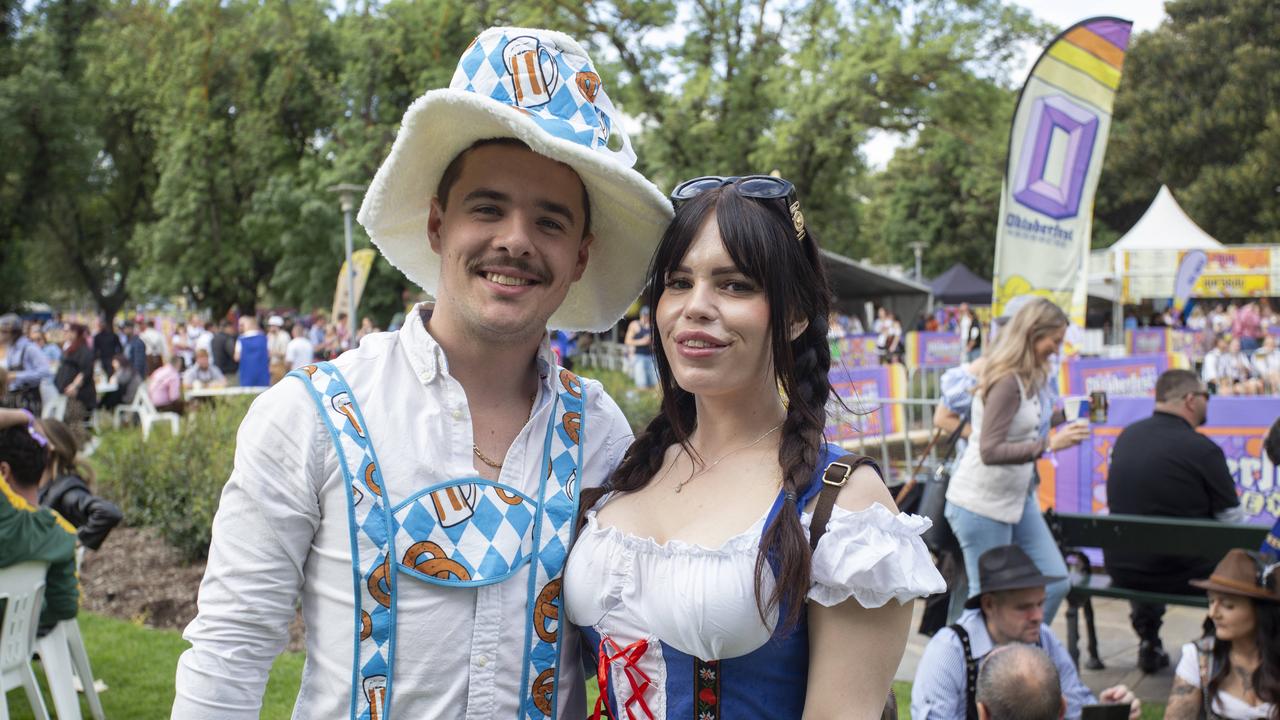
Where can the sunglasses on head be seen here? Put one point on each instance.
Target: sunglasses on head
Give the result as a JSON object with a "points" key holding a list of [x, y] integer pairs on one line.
{"points": [[758, 187]]}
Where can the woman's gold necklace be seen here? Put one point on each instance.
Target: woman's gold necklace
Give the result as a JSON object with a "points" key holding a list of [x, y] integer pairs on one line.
{"points": [[533, 397], [708, 468]]}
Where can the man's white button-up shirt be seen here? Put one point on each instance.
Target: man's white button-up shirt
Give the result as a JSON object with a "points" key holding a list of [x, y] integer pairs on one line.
{"points": [[281, 534]]}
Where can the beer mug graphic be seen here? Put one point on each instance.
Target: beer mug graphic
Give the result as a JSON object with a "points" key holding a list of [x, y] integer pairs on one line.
{"points": [[375, 691], [533, 71], [453, 504], [342, 403]]}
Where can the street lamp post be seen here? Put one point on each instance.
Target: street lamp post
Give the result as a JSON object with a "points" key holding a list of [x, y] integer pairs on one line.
{"points": [[918, 248], [347, 201]]}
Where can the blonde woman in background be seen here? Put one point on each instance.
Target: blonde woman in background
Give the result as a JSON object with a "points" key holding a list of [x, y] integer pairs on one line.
{"points": [[991, 499]]}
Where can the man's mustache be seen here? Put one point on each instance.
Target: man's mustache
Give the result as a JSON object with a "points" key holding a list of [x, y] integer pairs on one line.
{"points": [[513, 263]]}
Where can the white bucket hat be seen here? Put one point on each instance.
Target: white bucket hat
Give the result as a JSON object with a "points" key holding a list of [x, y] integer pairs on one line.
{"points": [[539, 87]]}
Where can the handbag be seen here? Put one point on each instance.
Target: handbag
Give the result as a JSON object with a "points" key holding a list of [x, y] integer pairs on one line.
{"points": [[939, 538]]}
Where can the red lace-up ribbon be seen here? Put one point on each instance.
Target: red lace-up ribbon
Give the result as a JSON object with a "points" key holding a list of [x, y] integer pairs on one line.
{"points": [[630, 655]]}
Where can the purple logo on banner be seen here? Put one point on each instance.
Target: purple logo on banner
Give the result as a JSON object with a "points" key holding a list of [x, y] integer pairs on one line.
{"points": [[1117, 377], [1056, 123]]}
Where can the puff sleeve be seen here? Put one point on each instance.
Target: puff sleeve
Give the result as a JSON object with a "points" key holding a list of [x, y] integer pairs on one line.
{"points": [[874, 556]]}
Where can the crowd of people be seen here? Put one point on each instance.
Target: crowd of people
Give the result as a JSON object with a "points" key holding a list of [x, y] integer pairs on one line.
{"points": [[101, 365]]}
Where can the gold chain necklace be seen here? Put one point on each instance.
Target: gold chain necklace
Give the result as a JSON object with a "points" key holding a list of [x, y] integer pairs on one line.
{"points": [[533, 397], [707, 469]]}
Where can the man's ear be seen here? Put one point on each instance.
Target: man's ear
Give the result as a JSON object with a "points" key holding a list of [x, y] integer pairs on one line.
{"points": [[584, 254], [6, 473], [1062, 709], [797, 328], [435, 218], [984, 713]]}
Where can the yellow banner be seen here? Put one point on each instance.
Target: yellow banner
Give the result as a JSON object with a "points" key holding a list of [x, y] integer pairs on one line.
{"points": [[1229, 273], [362, 260]]}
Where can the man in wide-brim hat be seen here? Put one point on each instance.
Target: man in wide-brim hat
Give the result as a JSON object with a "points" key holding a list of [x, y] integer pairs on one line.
{"points": [[418, 494], [1008, 609]]}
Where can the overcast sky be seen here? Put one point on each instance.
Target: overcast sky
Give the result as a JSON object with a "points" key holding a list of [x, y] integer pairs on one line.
{"points": [[1145, 14]]}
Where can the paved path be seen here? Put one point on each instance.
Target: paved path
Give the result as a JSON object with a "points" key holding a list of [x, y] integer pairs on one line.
{"points": [[1117, 646]]}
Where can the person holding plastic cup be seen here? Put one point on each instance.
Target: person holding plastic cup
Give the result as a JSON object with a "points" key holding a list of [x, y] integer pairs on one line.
{"points": [[991, 499]]}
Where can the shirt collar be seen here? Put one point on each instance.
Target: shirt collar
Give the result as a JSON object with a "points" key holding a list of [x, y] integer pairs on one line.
{"points": [[427, 358]]}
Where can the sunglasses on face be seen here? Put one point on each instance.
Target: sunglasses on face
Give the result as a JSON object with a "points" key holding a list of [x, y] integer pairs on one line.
{"points": [[757, 187]]}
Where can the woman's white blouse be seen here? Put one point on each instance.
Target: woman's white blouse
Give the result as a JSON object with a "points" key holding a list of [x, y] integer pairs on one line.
{"points": [[1226, 706], [702, 600]]}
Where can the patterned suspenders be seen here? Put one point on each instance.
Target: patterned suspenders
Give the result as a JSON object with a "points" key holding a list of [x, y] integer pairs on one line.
{"points": [[462, 533]]}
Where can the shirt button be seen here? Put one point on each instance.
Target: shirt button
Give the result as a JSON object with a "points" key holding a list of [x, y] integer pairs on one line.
{"points": [[457, 414], [482, 661]]}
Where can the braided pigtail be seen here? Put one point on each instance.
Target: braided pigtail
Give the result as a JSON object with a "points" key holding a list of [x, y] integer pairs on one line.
{"points": [[644, 457], [784, 542]]}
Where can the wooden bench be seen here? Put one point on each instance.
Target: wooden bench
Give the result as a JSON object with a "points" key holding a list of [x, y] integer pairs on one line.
{"points": [[1184, 537]]}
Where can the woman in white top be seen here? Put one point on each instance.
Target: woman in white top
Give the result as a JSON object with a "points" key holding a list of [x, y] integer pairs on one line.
{"points": [[692, 579], [1266, 364], [991, 499], [1237, 664]]}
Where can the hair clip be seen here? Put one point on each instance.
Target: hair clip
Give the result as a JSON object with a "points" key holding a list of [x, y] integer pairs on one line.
{"points": [[790, 495]]}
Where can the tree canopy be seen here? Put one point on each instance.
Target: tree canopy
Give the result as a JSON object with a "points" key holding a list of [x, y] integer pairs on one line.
{"points": [[155, 149]]}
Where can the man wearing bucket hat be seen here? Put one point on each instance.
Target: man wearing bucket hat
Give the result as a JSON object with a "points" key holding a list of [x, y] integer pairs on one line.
{"points": [[423, 512], [1009, 609]]}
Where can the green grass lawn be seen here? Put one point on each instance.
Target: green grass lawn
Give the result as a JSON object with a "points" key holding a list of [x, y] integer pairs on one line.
{"points": [[138, 664]]}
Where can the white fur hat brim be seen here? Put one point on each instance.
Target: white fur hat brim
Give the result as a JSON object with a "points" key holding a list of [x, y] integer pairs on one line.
{"points": [[628, 213]]}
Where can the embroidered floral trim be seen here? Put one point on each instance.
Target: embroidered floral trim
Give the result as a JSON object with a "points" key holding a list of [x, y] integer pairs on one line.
{"points": [[706, 689]]}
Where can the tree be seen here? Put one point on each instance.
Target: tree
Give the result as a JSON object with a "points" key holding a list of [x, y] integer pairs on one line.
{"points": [[244, 96], [1199, 110]]}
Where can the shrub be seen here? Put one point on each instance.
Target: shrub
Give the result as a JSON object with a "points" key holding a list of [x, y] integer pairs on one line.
{"points": [[638, 405], [172, 483]]}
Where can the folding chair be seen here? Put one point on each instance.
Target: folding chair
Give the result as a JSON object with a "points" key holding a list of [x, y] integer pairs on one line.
{"points": [[22, 588]]}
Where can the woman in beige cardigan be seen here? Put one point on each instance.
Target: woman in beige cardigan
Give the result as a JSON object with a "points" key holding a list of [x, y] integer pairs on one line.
{"points": [[991, 500]]}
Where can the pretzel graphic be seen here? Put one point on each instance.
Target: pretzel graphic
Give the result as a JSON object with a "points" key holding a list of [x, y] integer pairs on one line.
{"points": [[545, 609], [436, 563], [366, 625], [543, 687], [379, 585], [571, 383], [368, 479], [572, 425]]}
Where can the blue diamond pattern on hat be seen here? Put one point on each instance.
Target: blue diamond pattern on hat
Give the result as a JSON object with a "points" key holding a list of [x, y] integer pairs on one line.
{"points": [[495, 55], [472, 60]]}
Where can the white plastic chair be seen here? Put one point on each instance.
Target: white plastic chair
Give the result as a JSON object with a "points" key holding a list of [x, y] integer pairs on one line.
{"points": [[22, 587], [147, 413], [55, 656], [65, 661]]}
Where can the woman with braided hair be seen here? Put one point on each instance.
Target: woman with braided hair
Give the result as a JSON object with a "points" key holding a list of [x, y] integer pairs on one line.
{"points": [[692, 577]]}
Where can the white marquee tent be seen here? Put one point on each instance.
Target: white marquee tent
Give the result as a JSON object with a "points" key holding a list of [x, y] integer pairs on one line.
{"points": [[1165, 227]]}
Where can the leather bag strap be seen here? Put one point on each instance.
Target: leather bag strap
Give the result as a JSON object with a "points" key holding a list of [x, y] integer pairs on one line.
{"points": [[833, 480]]}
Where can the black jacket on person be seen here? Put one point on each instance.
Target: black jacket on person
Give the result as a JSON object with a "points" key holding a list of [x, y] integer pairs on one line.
{"points": [[222, 351], [106, 345], [78, 362], [93, 516]]}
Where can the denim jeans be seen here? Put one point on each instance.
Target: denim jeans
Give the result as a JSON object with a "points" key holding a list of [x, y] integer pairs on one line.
{"points": [[978, 534], [643, 371]]}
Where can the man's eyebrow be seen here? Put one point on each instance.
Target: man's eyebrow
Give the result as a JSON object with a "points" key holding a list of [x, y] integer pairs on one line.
{"points": [[487, 194], [557, 209]]}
